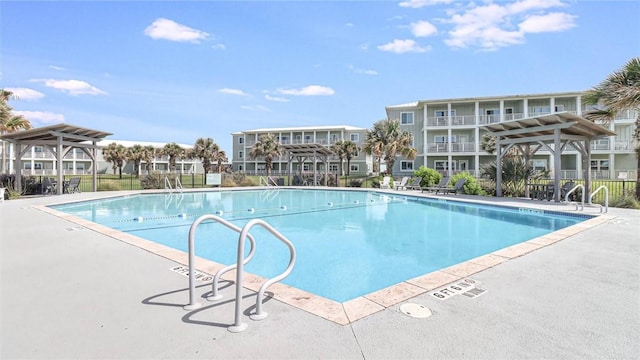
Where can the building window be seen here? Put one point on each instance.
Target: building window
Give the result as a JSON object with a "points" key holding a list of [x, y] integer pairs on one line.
{"points": [[559, 108], [354, 137], [38, 149], [539, 165], [354, 168], [80, 166], [406, 118], [406, 165], [241, 140], [240, 168], [333, 167], [27, 166], [441, 165], [37, 166], [240, 154], [444, 113], [440, 139]]}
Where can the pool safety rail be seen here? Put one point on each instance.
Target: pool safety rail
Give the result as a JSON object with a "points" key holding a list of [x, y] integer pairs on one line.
{"points": [[238, 325], [268, 181], [169, 188], [580, 205]]}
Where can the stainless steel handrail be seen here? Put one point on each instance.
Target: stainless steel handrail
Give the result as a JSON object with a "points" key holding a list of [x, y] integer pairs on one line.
{"points": [[566, 196], [606, 198]]}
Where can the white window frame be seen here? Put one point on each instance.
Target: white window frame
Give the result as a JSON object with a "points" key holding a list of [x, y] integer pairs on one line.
{"points": [[241, 140], [240, 168], [354, 167], [334, 167], [539, 164], [463, 164], [559, 108], [80, 166], [240, 154], [440, 139], [404, 118], [38, 166], [441, 165], [406, 165], [354, 137]]}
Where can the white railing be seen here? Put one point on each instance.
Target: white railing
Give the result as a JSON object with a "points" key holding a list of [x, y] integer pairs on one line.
{"points": [[463, 147], [566, 196], [437, 148], [606, 198]]}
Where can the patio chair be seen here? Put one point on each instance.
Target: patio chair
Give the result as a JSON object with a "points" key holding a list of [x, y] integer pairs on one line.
{"points": [[403, 183], [72, 185], [566, 187], [415, 184], [386, 183], [48, 187], [442, 184], [459, 186]]}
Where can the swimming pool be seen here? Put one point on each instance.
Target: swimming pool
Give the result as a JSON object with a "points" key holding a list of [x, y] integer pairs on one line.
{"points": [[348, 243]]}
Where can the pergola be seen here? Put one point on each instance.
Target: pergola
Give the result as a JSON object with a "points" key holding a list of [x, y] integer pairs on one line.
{"points": [[59, 139], [553, 132], [304, 151]]}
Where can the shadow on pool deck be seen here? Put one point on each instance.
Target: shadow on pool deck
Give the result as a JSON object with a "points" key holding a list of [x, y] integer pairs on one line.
{"points": [[69, 292]]}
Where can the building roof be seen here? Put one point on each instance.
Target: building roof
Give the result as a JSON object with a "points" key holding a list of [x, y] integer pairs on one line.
{"points": [[307, 149], [544, 126], [48, 134], [420, 103], [301, 128], [130, 143]]}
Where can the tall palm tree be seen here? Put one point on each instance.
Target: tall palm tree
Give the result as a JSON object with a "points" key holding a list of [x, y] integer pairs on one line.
{"points": [[338, 150], [220, 158], [620, 91], [115, 154], [350, 150], [174, 152], [136, 155], [387, 140], [206, 150], [9, 122], [148, 153], [268, 148]]}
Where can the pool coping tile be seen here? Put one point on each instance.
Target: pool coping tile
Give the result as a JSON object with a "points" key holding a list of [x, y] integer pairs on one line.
{"points": [[360, 307]]}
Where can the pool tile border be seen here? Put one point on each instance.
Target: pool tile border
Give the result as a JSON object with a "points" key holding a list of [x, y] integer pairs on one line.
{"points": [[361, 307]]}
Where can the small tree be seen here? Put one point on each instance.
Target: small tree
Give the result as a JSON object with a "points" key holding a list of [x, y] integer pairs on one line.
{"points": [[268, 148], [116, 155], [174, 152], [136, 155]]}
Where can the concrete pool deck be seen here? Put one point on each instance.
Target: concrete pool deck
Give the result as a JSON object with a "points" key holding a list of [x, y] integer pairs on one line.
{"points": [[71, 292]]}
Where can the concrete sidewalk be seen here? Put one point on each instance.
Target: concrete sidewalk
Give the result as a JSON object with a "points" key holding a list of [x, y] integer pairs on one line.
{"points": [[69, 292]]}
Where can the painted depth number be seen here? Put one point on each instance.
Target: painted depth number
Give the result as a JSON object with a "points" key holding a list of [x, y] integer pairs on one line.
{"points": [[184, 270], [459, 287]]}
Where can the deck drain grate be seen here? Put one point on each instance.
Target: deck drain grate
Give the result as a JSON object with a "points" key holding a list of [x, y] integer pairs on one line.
{"points": [[415, 310]]}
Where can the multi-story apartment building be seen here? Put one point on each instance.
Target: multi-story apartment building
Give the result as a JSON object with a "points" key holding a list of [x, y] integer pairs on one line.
{"points": [[243, 141], [41, 161], [448, 135]]}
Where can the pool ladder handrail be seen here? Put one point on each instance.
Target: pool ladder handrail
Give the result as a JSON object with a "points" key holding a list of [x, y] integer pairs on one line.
{"points": [[193, 304], [239, 326], [167, 185], [269, 181], [573, 189], [606, 198]]}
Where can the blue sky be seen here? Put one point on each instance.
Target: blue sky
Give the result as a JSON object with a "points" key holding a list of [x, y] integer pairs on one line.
{"points": [[176, 71]]}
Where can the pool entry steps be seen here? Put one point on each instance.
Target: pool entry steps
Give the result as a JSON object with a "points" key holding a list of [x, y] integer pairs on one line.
{"points": [[237, 326]]}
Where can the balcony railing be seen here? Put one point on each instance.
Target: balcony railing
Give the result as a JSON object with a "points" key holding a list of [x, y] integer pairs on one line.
{"points": [[463, 147], [602, 144], [437, 148]]}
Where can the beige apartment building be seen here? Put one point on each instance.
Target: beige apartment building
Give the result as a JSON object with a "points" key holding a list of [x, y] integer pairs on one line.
{"points": [[448, 135]]}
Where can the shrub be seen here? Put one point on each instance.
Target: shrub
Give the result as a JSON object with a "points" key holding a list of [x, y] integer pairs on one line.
{"points": [[108, 186], [357, 183], [471, 186], [430, 177], [149, 182], [627, 200]]}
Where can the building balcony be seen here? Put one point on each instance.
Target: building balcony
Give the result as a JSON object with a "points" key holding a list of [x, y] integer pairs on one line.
{"points": [[437, 148], [463, 147], [602, 144]]}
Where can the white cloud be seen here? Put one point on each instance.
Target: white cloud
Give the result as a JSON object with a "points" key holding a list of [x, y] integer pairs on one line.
{"points": [[41, 117], [422, 3], [311, 90], [26, 93], [494, 25], [59, 68], [548, 23], [233, 92], [73, 87], [219, 47], [403, 46], [423, 29], [277, 99], [362, 71], [170, 30]]}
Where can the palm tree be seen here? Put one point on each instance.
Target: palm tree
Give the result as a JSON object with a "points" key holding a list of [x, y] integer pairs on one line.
{"points": [[387, 140], [135, 154], [220, 158], [206, 150], [174, 152], [115, 154], [338, 150], [620, 91], [148, 153], [268, 148], [9, 122], [350, 150]]}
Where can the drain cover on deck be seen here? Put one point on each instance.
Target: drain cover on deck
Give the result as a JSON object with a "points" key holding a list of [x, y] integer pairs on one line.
{"points": [[415, 310]]}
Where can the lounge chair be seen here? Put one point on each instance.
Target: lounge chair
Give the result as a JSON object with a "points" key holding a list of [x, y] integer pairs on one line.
{"points": [[48, 187], [415, 184], [72, 185], [442, 184], [386, 183], [566, 187], [459, 186], [403, 183]]}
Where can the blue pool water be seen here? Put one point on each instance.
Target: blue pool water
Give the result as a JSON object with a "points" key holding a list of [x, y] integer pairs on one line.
{"points": [[348, 243]]}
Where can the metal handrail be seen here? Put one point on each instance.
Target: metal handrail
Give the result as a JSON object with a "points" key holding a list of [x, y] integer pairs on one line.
{"points": [[606, 198], [239, 326], [566, 196], [192, 280], [167, 184], [178, 184]]}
